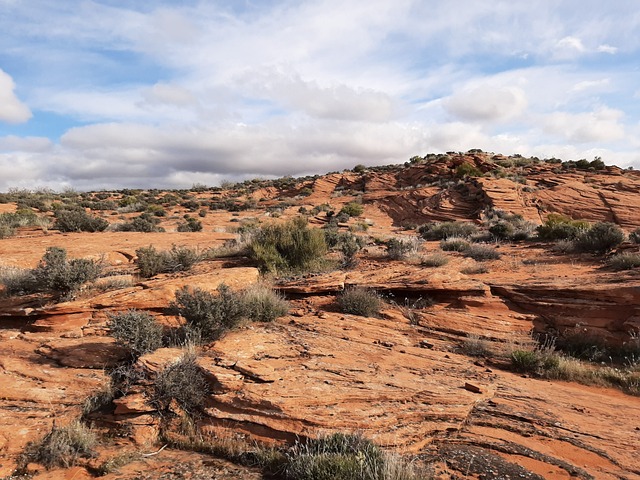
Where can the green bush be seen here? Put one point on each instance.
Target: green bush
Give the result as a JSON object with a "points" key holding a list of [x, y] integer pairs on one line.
{"points": [[360, 301], [481, 253], [151, 262], [62, 446], [63, 277], [78, 221], [634, 236], [184, 382], [290, 246], [467, 170], [209, 315], [138, 331], [445, 230], [561, 227], [534, 361], [600, 238], [352, 209]]}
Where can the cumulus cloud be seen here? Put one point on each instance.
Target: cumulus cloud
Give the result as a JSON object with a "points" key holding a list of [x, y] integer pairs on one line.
{"points": [[12, 110], [487, 103], [602, 125], [13, 143]]}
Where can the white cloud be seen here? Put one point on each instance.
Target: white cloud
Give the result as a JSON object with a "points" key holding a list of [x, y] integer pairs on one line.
{"points": [[607, 49], [602, 125], [487, 103], [12, 110], [13, 143]]}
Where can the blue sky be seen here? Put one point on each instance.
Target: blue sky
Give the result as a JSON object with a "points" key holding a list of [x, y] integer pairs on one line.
{"points": [[112, 94]]}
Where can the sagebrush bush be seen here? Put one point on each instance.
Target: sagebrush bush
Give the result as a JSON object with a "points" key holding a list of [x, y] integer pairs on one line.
{"points": [[17, 281], [481, 253], [9, 221], [151, 262], [360, 301], [184, 382], [262, 304], [634, 236], [435, 260], [62, 277], [62, 446], [625, 261], [78, 221], [444, 230], [145, 223], [602, 237], [136, 330], [289, 246], [190, 225], [400, 248], [211, 315], [341, 456], [454, 244]]}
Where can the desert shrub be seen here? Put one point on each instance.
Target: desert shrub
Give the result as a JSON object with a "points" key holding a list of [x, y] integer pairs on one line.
{"points": [[561, 227], [341, 456], [17, 281], [78, 221], [210, 315], [467, 170], [600, 238], [151, 262], [335, 457], [435, 260], [349, 245], [145, 223], [288, 246], [444, 230], [481, 253], [502, 230], [25, 217], [454, 244], [190, 225], [534, 361], [401, 248], [62, 446], [474, 270], [476, 346], [634, 236], [138, 331], [184, 382], [63, 277], [625, 261], [352, 209], [360, 301], [262, 304]]}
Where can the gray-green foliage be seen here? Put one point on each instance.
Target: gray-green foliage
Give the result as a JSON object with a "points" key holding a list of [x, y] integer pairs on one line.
{"points": [[78, 221], [360, 301], [64, 277], [184, 382], [151, 262], [62, 446], [600, 238], [137, 331], [208, 314], [444, 230]]}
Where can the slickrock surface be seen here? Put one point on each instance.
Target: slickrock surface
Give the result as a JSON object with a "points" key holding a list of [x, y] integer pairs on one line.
{"points": [[402, 379]]}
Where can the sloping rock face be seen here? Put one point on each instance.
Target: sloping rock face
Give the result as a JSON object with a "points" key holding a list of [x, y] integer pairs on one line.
{"points": [[402, 379]]}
